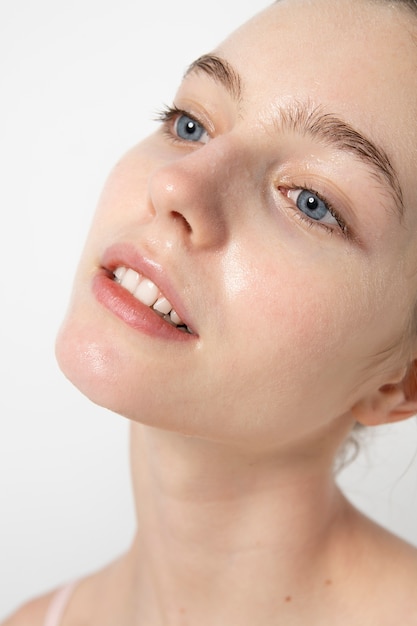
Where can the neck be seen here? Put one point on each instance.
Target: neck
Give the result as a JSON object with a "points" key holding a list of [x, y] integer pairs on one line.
{"points": [[223, 532]]}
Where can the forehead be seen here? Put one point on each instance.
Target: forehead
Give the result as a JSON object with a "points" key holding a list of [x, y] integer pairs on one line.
{"points": [[355, 58], [344, 51], [339, 32]]}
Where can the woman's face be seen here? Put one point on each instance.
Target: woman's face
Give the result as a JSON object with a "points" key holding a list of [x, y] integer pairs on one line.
{"points": [[274, 210]]}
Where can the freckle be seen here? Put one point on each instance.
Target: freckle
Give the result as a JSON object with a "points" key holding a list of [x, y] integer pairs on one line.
{"points": [[328, 582], [288, 599], [182, 610]]}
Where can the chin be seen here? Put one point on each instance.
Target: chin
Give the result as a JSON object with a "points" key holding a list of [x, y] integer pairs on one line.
{"points": [[103, 373], [87, 363]]}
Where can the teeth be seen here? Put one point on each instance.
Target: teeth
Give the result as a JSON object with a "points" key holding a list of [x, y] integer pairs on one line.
{"points": [[130, 280], [148, 293], [175, 318], [162, 306], [119, 273]]}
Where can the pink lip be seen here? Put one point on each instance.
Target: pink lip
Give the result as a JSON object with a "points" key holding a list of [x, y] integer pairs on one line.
{"points": [[125, 306]]}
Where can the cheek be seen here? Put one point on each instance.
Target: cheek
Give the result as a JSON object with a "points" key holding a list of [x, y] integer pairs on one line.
{"points": [[316, 313], [308, 302], [310, 326]]}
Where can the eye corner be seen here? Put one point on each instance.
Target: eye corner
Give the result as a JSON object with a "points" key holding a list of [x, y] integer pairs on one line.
{"points": [[289, 192], [284, 189]]}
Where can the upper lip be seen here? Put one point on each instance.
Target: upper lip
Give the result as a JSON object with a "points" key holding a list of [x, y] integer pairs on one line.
{"points": [[127, 255]]}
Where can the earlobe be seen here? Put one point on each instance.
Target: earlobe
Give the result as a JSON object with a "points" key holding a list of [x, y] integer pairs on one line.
{"points": [[392, 402]]}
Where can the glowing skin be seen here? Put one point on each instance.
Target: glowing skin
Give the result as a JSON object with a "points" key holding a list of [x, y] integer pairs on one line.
{"points": [[289, 317], [287, 245]]}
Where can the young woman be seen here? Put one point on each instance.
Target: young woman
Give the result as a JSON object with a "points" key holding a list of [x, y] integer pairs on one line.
{"points": [[246, 296]]}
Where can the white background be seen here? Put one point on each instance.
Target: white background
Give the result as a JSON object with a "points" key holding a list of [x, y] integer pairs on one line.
{"points": [[80, 82]]}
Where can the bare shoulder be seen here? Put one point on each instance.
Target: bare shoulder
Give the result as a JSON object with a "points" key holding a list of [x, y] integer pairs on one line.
{"points": [[32, 613], [389, 565]]}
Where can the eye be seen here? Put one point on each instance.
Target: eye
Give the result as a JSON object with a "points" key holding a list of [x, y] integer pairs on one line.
{"points": [[188, 129], [315, 210], [313, 206], [181, 126]]}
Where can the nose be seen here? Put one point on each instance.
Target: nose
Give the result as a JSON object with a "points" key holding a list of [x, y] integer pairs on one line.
{"points": [[196, 194]]}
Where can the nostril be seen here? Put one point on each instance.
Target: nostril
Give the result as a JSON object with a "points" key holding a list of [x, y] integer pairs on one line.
{"points": [[179, 217]]}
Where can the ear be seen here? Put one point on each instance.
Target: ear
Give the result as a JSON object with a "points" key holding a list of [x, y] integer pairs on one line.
{"points": [[392, 402]]}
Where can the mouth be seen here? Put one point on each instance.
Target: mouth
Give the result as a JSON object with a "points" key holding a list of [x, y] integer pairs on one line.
{"points": [[149, 294]]}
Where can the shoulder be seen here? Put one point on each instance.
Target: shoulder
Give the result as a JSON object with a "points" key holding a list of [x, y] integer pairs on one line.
{"points": [[32, 613], [67, 604], [389, 580]]}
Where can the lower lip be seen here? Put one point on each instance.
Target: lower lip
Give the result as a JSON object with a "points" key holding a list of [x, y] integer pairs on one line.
{"points": [[132, 312]]}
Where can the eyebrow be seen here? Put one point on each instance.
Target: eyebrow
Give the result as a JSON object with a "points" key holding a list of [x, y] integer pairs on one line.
{"points": [[219, 70], [335, 132], [305, 119]]}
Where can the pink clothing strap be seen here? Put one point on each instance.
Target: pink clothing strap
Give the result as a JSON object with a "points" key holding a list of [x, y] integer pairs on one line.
{"points": [[58, 605]]}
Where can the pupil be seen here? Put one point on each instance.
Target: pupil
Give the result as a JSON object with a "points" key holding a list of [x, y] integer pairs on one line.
{"points": [[312, 203], [190, 127]]}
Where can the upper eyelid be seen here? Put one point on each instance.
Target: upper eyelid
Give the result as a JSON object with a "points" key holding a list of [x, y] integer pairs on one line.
{"points": [[170, 112]]}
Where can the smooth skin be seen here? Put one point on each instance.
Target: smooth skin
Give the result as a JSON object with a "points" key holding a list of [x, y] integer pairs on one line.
{"points": [[303, 324]]}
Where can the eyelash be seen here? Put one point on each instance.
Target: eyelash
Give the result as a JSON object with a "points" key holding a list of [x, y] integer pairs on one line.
{"points": [[345, 231], [169, 114]]}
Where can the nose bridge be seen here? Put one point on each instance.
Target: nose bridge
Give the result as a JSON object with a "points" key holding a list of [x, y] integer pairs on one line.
{"points": [[200, 187]]}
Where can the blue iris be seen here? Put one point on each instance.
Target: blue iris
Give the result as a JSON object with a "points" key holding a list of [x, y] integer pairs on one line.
{"points": [[310, 204], [188, 129]]}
